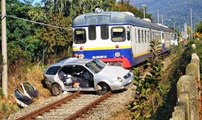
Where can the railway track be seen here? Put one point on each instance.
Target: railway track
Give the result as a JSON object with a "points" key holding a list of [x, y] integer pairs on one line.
{"points": [[69, 108]]}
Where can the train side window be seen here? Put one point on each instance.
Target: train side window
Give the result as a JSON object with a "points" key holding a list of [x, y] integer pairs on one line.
{"points": [[79, 36], [159, 36], [104, 32], [118, 34], [92, 32], [135, 35], [154, 36], [151, 36], [138, 36], [162, 35], [142, 36], [148, 36], [145, 36]]}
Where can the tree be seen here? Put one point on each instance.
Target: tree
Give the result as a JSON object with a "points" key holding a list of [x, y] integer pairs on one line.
{"points": [[19, 32], [61, 13], [33, 42], [124, 5], [199, 27]]}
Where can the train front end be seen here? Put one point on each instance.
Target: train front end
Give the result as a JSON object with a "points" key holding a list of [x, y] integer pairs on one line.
{"points": [[96, 35]]}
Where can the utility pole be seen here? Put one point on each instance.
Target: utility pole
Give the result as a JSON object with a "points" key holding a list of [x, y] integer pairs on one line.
{"points": [[144, 10], [162, 19], [157, 15], [4, 49], [191, 20], [179, 28]]}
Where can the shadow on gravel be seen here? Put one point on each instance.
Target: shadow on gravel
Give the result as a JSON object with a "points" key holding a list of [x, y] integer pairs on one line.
{"points": [[94, 92]]}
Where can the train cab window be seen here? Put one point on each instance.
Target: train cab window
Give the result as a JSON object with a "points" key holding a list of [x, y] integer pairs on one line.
{"points": [[92, 32], [118, 34], [104, 32], [79, 36]]}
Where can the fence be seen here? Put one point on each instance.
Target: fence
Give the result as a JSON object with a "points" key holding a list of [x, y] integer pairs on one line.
{"points": [[187, 106]]}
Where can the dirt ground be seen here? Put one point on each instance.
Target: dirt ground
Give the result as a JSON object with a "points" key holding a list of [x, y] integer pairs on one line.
{"points": [[123, 115]]}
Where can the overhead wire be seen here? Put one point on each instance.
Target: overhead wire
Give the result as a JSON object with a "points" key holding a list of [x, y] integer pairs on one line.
{"points": [[35, 22]]}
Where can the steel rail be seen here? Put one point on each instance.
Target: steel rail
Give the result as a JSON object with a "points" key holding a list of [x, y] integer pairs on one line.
{"points": [[91, 105], [48, 107]]}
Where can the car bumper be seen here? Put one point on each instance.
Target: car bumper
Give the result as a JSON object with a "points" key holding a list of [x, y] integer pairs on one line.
{"points": [[120, 85]]}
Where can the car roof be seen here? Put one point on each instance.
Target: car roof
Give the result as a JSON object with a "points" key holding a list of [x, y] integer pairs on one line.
{"points": [[71, 61]]}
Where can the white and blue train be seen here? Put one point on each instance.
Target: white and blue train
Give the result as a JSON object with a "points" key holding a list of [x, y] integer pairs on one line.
{"points": [[117, 37]]}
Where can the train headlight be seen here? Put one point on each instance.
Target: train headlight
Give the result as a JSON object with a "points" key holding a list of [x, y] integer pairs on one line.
{"points": [[117, 54]]}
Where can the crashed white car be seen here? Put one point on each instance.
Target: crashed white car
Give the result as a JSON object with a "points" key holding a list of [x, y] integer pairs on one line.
{"points": [[75, 74]]}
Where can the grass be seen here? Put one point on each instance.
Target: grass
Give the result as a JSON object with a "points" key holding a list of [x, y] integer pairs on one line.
{"points": [[34, 75]]}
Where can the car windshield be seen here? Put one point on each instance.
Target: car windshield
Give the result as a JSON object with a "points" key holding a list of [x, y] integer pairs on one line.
{"points": [[95, 65]]}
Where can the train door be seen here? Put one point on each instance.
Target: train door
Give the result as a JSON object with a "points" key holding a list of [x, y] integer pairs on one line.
{"points": [[141, 41], [134, 40], [138, 44]]}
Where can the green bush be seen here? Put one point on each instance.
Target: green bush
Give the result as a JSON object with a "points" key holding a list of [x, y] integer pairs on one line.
{"points": [[149, 91], [155, 98], [182, 58]]}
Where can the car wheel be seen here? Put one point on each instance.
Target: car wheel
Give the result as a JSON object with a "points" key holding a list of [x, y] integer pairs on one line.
{"points": [[56, 89], [104, 89]]}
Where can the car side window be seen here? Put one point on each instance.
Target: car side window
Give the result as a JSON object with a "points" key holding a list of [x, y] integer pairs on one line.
{"points": [[53, 70]]}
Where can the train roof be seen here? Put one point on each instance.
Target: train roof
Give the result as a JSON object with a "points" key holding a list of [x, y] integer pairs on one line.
{"points": [[114, 18]]}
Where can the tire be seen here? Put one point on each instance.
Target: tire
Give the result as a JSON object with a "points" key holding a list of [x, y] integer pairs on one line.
{"points": [[56, 90], [104, 89]]}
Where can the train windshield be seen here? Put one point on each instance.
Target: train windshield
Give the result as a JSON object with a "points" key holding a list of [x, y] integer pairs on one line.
{"points": [[79, 36], [95, 65], [118, 34]]}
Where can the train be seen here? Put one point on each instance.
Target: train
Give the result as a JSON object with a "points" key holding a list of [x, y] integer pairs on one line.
{"points": [[117, 38]]}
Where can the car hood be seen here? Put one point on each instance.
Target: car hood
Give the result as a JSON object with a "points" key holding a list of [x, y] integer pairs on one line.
{"points": [[113, 71]]}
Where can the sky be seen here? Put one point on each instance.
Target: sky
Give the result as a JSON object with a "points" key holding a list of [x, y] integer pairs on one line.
{"points": [[37, 1]]}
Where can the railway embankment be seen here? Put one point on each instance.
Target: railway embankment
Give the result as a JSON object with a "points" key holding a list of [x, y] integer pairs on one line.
{"points": [[188, 91]]}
